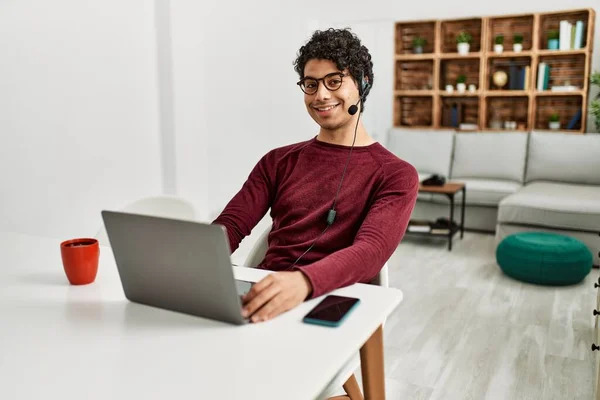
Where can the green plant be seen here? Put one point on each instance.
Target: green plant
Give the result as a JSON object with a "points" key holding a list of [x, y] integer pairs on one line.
{"points": [[554, 118], [518, 38], [499, 39], [595, 104], [553, 35], [461, 79], [419, 41], [463, 37]]}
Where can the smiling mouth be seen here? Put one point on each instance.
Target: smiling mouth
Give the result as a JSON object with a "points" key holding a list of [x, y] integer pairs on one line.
{"points": [[324, 109]]}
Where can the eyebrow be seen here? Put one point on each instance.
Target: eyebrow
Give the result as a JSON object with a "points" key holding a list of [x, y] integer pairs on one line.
{"points": [[331, 73]]}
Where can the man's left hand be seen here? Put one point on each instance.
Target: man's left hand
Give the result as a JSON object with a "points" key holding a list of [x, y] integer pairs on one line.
{"points": [[275, 294]]}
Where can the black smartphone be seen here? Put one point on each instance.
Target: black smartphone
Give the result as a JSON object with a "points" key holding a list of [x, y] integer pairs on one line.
{"points": [[331, 311]]}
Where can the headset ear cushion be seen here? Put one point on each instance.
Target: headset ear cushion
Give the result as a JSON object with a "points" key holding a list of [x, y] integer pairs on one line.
{"points": [[365, 87]]}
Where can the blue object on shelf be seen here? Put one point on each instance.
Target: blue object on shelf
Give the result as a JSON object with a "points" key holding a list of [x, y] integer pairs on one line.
{"points": [[553, 44], [574, 120]]}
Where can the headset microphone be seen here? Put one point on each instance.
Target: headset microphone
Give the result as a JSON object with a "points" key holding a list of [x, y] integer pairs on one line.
{"points": [[354, 107]]}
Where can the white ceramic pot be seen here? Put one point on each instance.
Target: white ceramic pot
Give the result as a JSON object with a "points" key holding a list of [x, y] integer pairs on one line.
{"points": [[518, 47], [472, 88], [461, 87], [498, 48], [463, 48], [554, 125], [449, 88]]}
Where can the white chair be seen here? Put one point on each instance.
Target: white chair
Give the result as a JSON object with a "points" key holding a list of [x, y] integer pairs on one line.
{"points": [[158, 206], [345, 377]]}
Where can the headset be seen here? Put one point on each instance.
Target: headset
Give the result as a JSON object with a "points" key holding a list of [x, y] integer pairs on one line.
{"points": [[363, 91]]}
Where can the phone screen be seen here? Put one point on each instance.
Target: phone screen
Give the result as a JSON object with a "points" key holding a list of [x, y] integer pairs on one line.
{"points": [[332, 308]]}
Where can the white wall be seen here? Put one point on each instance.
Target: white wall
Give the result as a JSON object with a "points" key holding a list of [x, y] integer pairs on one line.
{"points": [[235, 96], [78, 112]]}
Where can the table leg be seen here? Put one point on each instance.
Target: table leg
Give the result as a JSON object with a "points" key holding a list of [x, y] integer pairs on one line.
{"points": [[462, 212], [451, 220], [371, 363]]}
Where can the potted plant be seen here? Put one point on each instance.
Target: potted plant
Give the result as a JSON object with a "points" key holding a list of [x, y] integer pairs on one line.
{"points": [[518, 42], [499, 43], [595, 104], [463, 40], [418, 44], [554, 121], [461, 83], [553, 40]]}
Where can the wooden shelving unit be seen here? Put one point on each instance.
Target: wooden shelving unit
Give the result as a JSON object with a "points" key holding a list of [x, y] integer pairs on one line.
{"points": [[420, 97]]}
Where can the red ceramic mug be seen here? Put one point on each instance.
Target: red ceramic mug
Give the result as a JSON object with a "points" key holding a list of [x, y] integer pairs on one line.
{"points": [[80, 260]]}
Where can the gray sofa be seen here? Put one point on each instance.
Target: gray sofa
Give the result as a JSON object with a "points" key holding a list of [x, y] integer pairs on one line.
{"points": [[516, 181]]}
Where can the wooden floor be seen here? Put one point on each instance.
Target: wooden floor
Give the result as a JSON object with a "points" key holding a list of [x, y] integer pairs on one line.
{"points": [[467, 331]]}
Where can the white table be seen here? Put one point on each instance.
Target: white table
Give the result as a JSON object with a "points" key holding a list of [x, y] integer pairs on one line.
{"points": [[89, 342]]}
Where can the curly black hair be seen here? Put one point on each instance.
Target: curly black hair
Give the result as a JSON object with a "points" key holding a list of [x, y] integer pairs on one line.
{"points": [[343, 48]]}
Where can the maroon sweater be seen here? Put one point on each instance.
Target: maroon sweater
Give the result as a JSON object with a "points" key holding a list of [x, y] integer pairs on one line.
{"points": [[298, 183]]}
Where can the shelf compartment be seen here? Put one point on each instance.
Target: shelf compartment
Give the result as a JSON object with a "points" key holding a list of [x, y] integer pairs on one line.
{"points": [[507, 108], [551, 22], [413, 111], [456, 94], [414, 75], [407, 31], [508, 26], [451, 28], [450, 69], [565, 70], [519, 76], [457, 110], [567, 107]]}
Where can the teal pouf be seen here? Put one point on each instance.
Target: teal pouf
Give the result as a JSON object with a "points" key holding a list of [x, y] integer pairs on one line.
{"points": [[544, 258]]}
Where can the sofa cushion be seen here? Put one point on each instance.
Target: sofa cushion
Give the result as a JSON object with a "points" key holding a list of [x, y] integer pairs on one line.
{"points": [[428, 151], [490, 155], [554, 205], [564, 157], [483, 192]]}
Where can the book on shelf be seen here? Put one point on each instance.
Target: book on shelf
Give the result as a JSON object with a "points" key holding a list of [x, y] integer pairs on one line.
{"points": [[571, 35], [564, 88], [573, 122], [419, 226], [543, 77]]}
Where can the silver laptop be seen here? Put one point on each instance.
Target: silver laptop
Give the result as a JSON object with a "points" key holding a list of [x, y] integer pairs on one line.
{"points": [[177, 265]]}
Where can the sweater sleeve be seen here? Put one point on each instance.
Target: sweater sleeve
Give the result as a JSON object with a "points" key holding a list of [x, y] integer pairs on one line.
{"points": [[377, 238], [251, 203]]}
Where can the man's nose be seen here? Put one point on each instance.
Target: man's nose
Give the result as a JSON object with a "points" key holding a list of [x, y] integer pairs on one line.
{"points": [[322, 92]]}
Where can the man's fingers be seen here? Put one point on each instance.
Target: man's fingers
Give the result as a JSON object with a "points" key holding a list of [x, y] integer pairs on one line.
{"points": [[270, 309], [260, 299], [257, 288]]}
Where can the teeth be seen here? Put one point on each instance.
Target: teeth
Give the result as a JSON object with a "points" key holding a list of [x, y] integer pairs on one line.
{"points": [[325, 109]]}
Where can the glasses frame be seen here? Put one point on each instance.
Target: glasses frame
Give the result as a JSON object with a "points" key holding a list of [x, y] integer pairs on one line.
{"points": [[341, 75]]}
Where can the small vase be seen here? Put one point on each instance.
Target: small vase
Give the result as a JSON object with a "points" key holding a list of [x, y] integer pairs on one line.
{"points": [[518, 47], [463, 48], [461, 87], [449, 88], [553, 44], [472, 88], [418, 50], [498, 48], [554, 125]]}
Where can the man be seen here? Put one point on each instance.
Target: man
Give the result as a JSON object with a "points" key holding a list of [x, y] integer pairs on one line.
{"points": [[340, 202]]}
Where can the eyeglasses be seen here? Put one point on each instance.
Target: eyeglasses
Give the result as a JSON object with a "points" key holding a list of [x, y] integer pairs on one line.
{"points": [[331, 81]]}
